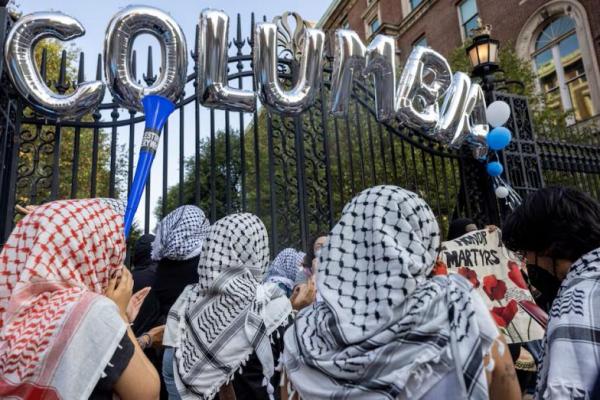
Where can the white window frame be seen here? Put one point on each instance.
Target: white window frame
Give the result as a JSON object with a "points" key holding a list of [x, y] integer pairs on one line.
{"points": [[463, 34]]}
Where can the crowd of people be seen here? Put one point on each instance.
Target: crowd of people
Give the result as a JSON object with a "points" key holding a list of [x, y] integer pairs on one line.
{"points": [[205, 314]]}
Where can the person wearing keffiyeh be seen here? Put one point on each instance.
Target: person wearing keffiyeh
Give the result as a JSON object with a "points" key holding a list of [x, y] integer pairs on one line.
{"points": [[558, 230], [63, 295], [383, 329], [284, 269], [228, 315]]}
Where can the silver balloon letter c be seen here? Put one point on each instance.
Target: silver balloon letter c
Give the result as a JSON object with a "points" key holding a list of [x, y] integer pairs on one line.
{"points": [[303, 94], [18, 52]]}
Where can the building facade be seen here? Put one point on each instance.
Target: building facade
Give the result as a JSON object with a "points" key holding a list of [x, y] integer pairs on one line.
{"points": [[561, 38]]}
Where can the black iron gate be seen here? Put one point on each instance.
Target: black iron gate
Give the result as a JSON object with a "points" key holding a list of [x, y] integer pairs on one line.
{"points": [[296, 173]]}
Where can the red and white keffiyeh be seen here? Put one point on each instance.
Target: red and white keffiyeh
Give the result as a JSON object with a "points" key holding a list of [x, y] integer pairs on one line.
{"points": [[57, 331]]}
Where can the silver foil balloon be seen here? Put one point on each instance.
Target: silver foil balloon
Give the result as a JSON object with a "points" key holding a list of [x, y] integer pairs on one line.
{"points": [[19, 57], [463, 116], [351, 58], [270, 92], [122, 30], [213, 89], [425, 78]]}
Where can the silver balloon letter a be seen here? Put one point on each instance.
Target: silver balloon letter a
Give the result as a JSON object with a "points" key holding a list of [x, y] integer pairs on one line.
{"points": [[120, 34], [425, 78], [213, 89], [302, 95], [18, 52]]}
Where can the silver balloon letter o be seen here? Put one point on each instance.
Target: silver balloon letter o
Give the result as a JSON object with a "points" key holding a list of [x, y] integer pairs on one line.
{"points": [[122, 30], [19, 56]]}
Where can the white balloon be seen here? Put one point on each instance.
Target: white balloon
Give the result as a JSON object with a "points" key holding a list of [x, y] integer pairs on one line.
{"points": [[501, 192], [498, 113]]}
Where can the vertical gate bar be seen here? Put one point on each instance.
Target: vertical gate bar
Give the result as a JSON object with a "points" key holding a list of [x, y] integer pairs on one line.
{"points": [[382, 151], [349, 152], [436, 185], [446, 194], [416, 171], [165, 171], [273, 205], [300, 178], [325, 133], [197, 188], [75, 168], [239, 43], [95, 137], [36, 159], [181, 148], [371, 149], [227, 164], [255, 124], [113, 153], [17, 107], [425, 169], [56, 163], [456, 186], [130, 150], [393, 154], [213, 187], [339, 160], [464, 183], [360, 146]]}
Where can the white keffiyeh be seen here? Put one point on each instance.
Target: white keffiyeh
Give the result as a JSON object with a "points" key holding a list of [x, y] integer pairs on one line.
{"points": [[229, 314], [180, 234], [383, 330]]}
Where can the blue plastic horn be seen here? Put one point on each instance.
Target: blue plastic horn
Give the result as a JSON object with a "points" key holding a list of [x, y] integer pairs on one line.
{"points": [[157, 110]]}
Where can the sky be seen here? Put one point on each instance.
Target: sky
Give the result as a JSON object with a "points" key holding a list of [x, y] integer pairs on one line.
{"points": [[95, 16]]}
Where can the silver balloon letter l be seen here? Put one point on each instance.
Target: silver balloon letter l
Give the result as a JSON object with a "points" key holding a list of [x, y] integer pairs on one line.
{"points": [[19, 57], [213, 90]]}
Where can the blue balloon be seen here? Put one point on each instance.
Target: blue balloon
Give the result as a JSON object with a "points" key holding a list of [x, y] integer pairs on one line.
{"points": [[494, 168], [498, 138]]}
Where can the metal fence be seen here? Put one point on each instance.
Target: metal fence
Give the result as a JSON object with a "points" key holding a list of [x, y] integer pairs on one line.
{"points": [[296, 173]]}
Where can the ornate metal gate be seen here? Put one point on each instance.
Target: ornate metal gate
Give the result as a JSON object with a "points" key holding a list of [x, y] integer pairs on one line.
{"points": [[296, 173]]}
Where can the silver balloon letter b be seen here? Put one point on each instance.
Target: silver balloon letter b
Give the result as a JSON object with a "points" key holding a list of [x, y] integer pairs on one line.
{"points": [[213, 89], [302, 95], [19, 57], [425, 78], [118, 45]]}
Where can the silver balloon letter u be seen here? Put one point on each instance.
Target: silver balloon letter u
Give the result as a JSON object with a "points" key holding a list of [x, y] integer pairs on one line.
{"points": [[122, 30], [213, 89], [18, 52], [303, 94]]}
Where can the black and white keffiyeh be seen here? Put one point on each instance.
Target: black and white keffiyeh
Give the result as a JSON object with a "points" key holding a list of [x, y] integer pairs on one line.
{"points": [[229, 314], [180, 234], [285, 268], [571, 362], [383, 330]]}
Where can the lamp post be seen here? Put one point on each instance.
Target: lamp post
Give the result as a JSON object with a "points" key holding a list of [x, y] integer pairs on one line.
{"points": [[483, 55]]}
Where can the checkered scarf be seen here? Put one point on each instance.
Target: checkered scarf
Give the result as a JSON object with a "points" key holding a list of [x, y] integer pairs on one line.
{"points": [[285, 268], [571, 362], [54, 269], [383, 330], [180, 234], [229, 314]]}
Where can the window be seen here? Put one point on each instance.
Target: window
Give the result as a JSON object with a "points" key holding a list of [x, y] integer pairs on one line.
{"points": [[559, 66], [415, 3], [374, 25], [422, 41], [469, 17]]}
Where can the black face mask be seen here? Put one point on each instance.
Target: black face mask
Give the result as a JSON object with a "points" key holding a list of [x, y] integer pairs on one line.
{"points": [[546, 285]]}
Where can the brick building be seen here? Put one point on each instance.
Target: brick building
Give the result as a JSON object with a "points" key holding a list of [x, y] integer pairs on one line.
{"points": [[561, 38]]}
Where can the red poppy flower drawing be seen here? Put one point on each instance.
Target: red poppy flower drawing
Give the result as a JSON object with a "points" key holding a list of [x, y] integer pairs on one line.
{"points": [[470, 275], [494, 288], [515, 275], [440, 268], [504, 315]]}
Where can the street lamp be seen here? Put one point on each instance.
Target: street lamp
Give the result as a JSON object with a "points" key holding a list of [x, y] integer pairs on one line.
{"points": [[483, 55]]}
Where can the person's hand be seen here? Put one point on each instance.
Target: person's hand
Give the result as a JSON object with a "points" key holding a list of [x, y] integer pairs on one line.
{"points": [[25, 210], [303, 295], [135, 303], [156, 334], [491, 228], [119, 290]]}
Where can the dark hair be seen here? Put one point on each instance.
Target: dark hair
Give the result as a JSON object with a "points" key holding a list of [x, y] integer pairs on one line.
{"points": [[562, 222], [458, 227], [310, 252]]}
